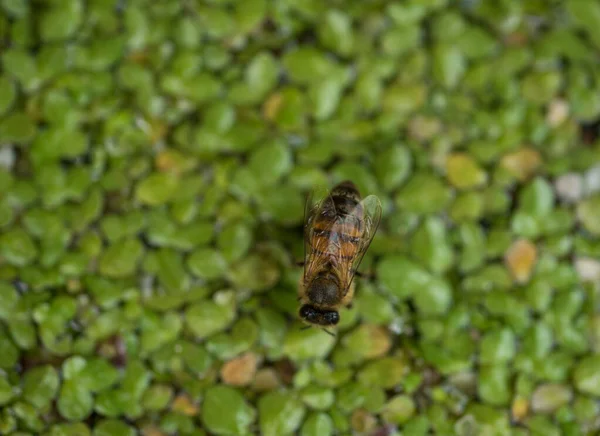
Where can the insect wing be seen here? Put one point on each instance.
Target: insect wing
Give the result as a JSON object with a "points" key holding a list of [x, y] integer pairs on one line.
{"points": [[368, 211], [313, 246]]}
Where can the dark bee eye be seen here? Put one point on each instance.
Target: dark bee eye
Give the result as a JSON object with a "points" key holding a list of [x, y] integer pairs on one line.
{"points": [[331, 317], [316, 316], [307, 312]]}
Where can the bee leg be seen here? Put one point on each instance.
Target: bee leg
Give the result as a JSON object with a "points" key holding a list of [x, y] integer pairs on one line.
{"points": [[329, 333], [300, 263], [364, 275], [349, 306]]}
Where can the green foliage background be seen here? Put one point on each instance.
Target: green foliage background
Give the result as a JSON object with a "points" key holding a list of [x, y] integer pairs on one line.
{"points": [[154, 161]]}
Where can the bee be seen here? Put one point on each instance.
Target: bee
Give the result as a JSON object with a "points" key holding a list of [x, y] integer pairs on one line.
{"points": [[338, 230]]}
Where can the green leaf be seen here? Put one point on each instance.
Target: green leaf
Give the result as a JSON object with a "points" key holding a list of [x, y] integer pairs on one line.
{"points": [[279, 414], [75, 401], [112, 427], [40, 386], [226, 412]]}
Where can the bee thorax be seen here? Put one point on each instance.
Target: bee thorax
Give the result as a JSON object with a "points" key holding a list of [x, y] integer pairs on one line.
{"points": [[346, 189], [323, 291]]}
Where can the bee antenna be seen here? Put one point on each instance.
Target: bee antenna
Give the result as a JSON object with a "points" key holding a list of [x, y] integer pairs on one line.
{"points": [[306, 327], [329, 333]]}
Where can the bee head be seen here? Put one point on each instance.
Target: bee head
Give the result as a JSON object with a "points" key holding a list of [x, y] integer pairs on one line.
{"points": [[313, 315]]}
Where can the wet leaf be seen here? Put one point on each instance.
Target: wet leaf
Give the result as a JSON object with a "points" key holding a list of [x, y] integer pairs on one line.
{"points": [[336, 32], [40, 385], [239, 371], [588, 212], [448, 65], [61, 21], [521, 259], [279, 413], [6, 391], [121, 259], [75, 402], [587, 376], [463, 172], [430, 245], [392, 166], [226, 412], [423, 194], [399, 409], [317, 424], [306, 344], [113, 428], [493, 385], [548, 398], [368, 341], [207, 263], [158, 188], [208, 317], [523, 163], [386, 372], [497, 347]]}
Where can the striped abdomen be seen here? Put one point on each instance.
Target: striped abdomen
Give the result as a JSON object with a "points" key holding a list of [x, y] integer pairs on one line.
{"points": [[338, 228]]}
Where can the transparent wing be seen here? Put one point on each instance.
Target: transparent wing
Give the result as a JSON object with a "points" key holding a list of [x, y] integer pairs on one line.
{"points": [[368, 212], [314, 248]]}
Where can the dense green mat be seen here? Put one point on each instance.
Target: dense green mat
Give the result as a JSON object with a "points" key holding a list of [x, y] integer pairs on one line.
{"points": [[155, 157]]}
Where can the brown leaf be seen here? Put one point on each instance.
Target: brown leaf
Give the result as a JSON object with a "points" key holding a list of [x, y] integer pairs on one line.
{"points": [[266, 379], [519, 409], [184, 405], [523, 163], [362, 421], [240, 371], [558, 111], [520, 259], [151, 430], [271, 106]]}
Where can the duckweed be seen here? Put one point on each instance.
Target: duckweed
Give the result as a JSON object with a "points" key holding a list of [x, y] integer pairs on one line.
{"points": [[155, 159]]}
